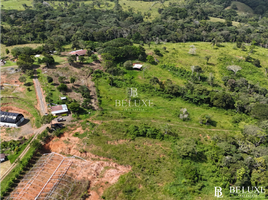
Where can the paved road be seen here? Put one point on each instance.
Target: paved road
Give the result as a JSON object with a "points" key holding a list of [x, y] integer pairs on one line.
{"points": [[42, 103], [38, 131]]}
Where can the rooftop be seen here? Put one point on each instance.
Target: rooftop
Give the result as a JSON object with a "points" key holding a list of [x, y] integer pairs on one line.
{"points": [[80, 52], [9, 117], [59, 109]]}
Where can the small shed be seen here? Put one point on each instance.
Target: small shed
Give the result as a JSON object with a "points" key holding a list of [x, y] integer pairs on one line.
{"points": [[2, 157], [137, 66], [63, 98]]}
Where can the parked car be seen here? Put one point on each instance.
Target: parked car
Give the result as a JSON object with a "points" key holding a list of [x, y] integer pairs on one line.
{"points": [[61, 119]]}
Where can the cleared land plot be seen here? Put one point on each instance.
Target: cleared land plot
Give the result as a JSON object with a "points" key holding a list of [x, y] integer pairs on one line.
{"points": [[51, 170], [55, 176], [4, 167]]}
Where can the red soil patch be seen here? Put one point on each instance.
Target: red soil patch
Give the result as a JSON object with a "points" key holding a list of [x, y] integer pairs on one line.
{"points": [[15, 109], [101, 173]]}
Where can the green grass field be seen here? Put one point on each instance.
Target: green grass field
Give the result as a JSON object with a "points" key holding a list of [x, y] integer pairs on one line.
{"points": [[4, 47], [15, 4]]}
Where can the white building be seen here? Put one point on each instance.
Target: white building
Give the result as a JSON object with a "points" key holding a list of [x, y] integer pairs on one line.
{"points": [[137, 66], [2, 157], [59, 109]]}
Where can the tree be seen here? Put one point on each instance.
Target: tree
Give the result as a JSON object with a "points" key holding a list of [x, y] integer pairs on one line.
{"points": [[74, 107], [25, 62], [254, 134], [71, 59], [234, 68], [205, 119], [207, 58], [154, 81], [29, 72], [46, 119], [48, 59], [36, 144], [187, 148], [257, 63], [192, 51], [62, 87], [211, 79], [128, 65], [150, 59], [7, 51], [49, 79], [196, 69], [22, 79], [72, 80], [94, 57], [260, 111], [82, 59], [62, 79]]}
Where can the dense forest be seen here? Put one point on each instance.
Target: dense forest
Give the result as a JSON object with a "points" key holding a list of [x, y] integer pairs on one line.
{"points": [[75, 22]]}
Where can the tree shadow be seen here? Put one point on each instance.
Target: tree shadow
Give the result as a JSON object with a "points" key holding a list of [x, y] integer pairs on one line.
{"points": [[213, 123], [211, 64]]}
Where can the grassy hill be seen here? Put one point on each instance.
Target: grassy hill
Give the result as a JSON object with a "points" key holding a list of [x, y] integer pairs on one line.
{"points": [[241, 7], [164, 177]]}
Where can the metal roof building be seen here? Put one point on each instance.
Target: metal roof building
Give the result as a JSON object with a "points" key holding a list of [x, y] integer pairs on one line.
{"points": [[59, 109], [10, 119]]}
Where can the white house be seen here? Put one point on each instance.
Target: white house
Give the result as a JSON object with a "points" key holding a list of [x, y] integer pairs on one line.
{"points": [[137, 66], [2, 157], [59, 109]]}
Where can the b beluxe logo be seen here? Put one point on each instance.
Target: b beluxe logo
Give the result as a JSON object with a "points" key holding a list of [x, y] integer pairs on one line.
{"points": [[133, 102], [218, 192], [244, 192], [132, 92]]}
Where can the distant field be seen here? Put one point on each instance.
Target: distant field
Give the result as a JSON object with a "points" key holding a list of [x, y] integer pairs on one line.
{"points": [[214, 19], [15, 4], [241, 7], [4, 47], [137, 6]]}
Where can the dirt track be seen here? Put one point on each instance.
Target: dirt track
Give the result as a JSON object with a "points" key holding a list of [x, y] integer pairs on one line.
{"points": [[38, 131], [40, 97]]}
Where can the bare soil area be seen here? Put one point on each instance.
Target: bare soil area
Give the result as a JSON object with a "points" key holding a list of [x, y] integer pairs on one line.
{"points": [[100, 172], [4, 166]]}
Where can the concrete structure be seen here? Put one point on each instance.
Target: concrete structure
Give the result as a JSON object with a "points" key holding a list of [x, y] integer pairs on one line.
{"points": [[11, 119], [2, 157], [137, 66], [59, 109]]}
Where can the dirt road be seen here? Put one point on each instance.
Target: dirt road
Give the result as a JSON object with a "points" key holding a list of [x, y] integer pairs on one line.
{"points": [[38, 131], [40, 97]]}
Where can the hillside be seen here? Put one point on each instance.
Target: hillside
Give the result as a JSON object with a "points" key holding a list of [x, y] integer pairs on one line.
{"points": [[192, 118], [241, 7]]}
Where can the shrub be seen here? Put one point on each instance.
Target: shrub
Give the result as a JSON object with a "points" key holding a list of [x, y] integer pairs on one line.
{"points": [[49, 79], [205, 119], [46, 119], [22, 79], [128, 64], [62, 87]]}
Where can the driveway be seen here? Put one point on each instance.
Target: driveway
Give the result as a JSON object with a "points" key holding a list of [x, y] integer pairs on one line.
{"points": [[40, 97]]}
